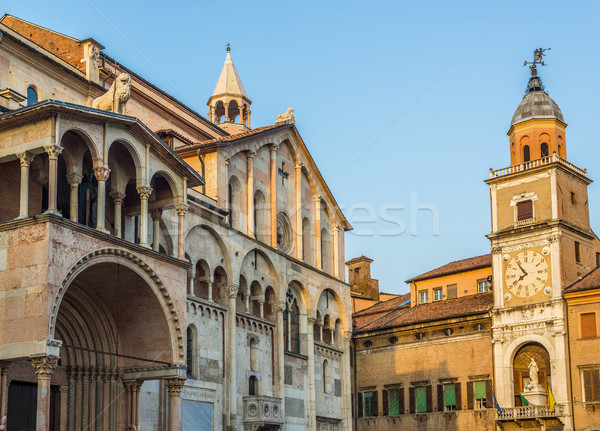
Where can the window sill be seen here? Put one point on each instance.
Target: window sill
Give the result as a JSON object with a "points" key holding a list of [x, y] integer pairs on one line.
{"points": [[296, 355]]}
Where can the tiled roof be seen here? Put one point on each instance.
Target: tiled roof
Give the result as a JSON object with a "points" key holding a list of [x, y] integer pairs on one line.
{"points": [[457, 266], [230, 138], [391, 313], [590, 281]]}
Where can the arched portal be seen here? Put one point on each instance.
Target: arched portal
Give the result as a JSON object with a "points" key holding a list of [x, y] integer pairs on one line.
{"points": [[531, 362], [118, 328]]}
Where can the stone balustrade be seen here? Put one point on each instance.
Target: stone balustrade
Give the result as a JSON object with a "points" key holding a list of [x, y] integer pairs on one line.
{"points": [[534, 164], [530, 412]]}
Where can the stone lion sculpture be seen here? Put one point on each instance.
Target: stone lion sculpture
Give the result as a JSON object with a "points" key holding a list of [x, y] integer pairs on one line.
{"points": [[115, 99], [287, 116]]}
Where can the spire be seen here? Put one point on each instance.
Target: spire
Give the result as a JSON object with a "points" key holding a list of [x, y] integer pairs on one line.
{"points": [[535, 82], [229, 81], [229, 105]]}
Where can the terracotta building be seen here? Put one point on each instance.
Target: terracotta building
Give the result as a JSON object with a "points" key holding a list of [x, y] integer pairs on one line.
{"points": [[160, 270], [518, 328]]}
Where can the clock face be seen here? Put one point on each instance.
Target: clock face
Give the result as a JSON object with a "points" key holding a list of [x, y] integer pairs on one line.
{"points": [[526, 273]]}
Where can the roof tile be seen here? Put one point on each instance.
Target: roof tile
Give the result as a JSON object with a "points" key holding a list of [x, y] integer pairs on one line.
{"points": [[457, 266]]}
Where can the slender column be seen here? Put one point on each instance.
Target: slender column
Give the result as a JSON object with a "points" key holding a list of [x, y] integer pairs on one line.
{"points": [[101, 174], [261, 302], [53, 153], [191, 281], [279, 389], [156, 214], [336, 250], [248, 118], [346, 387], [250, 194], [273, 195], [74, 180], [174, 386], [144, 193], [133, 403], [318, 231], [231, 357], [63, 414], [44, 368], [3, 390], [118, 199], [210, 286], [181, 211], [226, 105], [299, 238], [25, 159], [312, 410], [227, 203]]}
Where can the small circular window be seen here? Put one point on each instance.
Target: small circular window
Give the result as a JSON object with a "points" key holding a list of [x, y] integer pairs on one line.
{"points": [[285, 238]]}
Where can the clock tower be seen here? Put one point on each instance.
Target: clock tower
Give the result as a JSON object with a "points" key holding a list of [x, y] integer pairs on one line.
{"points": [[541, 242]]}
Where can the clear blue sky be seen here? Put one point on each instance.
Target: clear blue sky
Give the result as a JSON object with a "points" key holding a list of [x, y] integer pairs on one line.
{"points": [[446, 75]]}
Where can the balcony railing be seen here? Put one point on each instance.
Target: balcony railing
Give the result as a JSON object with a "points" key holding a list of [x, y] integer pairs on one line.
{"points": [[534, 164], [530, 412]]}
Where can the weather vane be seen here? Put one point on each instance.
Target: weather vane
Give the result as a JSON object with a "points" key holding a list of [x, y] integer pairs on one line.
{"points": [[537, 58], [228, 47]]}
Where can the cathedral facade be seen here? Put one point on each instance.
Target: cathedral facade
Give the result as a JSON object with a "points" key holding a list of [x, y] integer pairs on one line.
{"points": [[160, 270]]}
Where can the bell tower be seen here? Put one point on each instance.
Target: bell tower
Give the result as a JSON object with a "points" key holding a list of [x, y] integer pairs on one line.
{"points": [[229, 105], [541, 242]]}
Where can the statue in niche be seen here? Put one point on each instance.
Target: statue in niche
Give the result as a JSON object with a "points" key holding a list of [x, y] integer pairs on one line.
{"points": [[115, 99], [533, 374]]}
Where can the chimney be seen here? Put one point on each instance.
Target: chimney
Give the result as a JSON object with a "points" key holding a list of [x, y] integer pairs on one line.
{"points": [[359, 277]]}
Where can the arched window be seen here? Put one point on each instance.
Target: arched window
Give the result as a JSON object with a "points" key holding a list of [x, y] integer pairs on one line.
{"points": [[191, 353], [252, 385], [544, 150], [32, 96], [526, 157], [230, 204], [326, 377], [291, 324]]}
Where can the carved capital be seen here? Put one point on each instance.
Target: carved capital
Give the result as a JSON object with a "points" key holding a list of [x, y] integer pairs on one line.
{"points": [[348, 335], [133, 385], [232, 290], [53, 151], [181, 209], [144, 192], [318, 198], [311, 320], [118, 198], [227, 161], [44, 365], [74, 179], [496, 250], [299, 165], [25, 159], [554, 238], [156, 213], [274, 148], [101, 173], [250, 154], [281, 306], [174, 386]]}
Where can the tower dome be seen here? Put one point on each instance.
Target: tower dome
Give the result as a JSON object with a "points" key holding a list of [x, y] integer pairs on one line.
{"points": [[537, 128], [536, 104]]}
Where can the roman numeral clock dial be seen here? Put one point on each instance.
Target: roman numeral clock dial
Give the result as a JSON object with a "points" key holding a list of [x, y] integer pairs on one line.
{"points": [[526, 274]]}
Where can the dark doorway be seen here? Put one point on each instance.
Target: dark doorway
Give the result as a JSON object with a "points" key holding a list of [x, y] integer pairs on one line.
{"points": [[22, 405]]}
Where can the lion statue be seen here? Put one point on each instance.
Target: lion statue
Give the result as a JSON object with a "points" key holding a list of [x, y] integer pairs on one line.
{"points": [[285, 117], [115, 99]]}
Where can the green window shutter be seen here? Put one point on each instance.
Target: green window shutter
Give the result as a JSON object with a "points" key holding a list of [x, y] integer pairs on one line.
{"points": [[375, 407], [480, 390], [596, 384], [394, 402], [489, 394], [470, 397], [360, 410], [458, 396], [368, 400], [421, 395], [411, 399], [401, 401], [385, 402], [440, 398], [449, 395]]}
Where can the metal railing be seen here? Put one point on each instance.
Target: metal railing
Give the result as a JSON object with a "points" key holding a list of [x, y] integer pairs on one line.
{"points": [[534, 164]]}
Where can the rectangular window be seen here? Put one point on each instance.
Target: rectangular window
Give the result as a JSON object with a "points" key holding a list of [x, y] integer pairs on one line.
{"points": [[597, 259], [483, 285], [577, 252], [423, 297], [524, 210], [449, 397], [451, 291], [591, 385], [394, 401], [588, 325], [368, 400], [421, 396], [480, 394], [437, 294]]}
